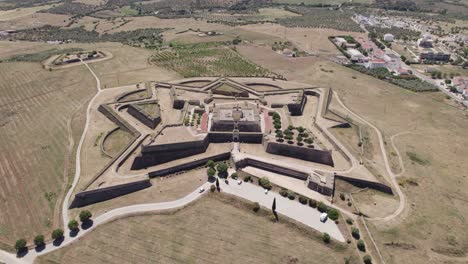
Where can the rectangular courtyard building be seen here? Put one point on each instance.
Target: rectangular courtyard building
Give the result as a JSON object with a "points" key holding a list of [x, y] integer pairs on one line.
{"points": [[244, 119]]}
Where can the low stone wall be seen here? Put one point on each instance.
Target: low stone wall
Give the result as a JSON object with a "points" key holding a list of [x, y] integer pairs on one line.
{"points": [[107, 193], [366, 184], [189, 165], [147, 121], [303, 153], [272, 167]]}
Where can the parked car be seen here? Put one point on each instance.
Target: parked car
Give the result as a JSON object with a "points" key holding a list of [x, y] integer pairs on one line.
{"points": [[239, 182], [323, 217], [201, 190], [266, 191]]}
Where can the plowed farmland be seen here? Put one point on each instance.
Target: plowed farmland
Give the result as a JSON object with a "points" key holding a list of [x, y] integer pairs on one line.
{"points": [[35, 108]]}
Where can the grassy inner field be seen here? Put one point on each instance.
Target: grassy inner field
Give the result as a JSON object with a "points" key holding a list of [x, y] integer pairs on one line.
{"points": [[216, 229], [35, 107], [207, 59]]}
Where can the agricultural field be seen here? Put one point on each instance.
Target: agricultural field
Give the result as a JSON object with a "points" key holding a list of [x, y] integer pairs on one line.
{"points": [[320, 18], [320, 2], [35, 109], [21, 12], [207, 59], [436, 129], [215, 229]]}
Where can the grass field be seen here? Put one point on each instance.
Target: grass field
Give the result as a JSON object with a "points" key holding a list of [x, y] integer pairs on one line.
{"points": [[35, 107], [213, 230], [116, 141], [437, 133], [207, 59]]}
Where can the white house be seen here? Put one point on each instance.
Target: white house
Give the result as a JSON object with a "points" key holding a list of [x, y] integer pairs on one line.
{"points": [[355, 54], [388, 37]]}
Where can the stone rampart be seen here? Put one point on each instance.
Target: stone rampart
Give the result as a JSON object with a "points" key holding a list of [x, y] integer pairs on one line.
{"points": [[366, 184], [189, 165], [303, 153], [158, 154], [272, 167], [244, 137], [109, 113], [107, 193], [145, 119], [297, 107]]}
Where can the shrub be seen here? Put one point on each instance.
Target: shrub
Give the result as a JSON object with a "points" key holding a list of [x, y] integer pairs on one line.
{"points": [[361, 246], [211, 172], [342, 197], [303, 199], [265, 183], [277, 126], [333, 214], [256, 207], [234, 175], [20, 244], [326, 238], [212, 188], [247, 178], [367, 259], [349, 221], [73, 225], [57, 233], [85, 215], [350, 203], [355, 233], [284, 192], [39, 240], [322, 207], [210, 164], [312, 203], [290, 127], [291, 195]]}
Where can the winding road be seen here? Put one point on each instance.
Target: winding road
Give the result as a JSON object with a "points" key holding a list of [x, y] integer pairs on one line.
{"points": [[392, 178]]}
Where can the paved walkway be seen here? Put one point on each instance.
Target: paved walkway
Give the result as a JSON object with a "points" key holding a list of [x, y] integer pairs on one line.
{"points": [[293, 209]]}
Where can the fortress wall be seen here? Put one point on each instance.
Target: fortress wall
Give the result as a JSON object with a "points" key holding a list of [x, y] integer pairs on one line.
{"points": [[109, 113], [149, 122], [176, 146], [189, 166], [107, 193], [303, 153], [244, 137], [366, 184], [272, 167], [297, 108], [155, 155], [333, 142], [316, 186]]}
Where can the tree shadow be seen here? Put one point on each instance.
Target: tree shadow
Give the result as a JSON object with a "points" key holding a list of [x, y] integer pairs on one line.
{"points": [[211, 179], [87, 224], [74, 232], [21, 253], [58, 241], [276, 216], [39, 248]]}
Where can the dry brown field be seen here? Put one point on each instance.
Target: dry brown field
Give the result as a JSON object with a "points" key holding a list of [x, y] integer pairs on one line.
{"points": [[432, 229], [35, 20], [212, 230], [36, 106]]}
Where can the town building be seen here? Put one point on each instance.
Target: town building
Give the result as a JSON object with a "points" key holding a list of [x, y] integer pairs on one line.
{"points": [[431, 54], [388, 37], [426, 41], [461, 84], [355, 55]]}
